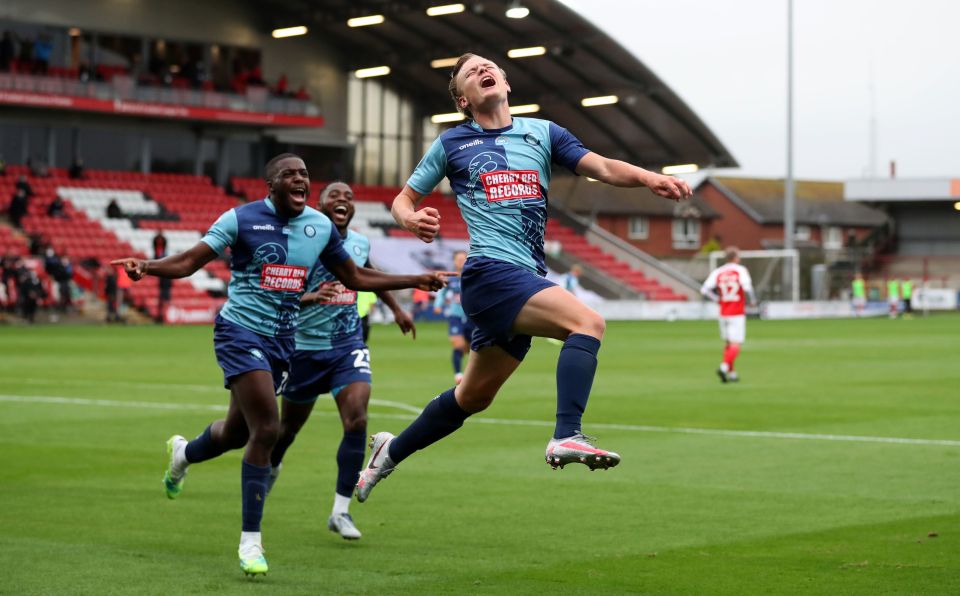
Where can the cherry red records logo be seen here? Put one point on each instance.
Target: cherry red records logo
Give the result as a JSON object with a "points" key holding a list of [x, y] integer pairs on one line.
{"points": [[505, 185], [282, 278], [343, 296]]}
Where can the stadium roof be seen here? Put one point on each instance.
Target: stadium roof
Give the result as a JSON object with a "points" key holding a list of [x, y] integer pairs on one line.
{"points": [[649, 125], [818, 203]]}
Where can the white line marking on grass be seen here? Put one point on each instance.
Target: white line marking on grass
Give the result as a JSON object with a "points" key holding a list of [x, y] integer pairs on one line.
{"points": [[759, 434]]}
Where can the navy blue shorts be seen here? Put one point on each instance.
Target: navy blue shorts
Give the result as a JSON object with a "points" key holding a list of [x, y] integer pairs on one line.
{"points": [[240, 350], [492, 293], [460, 326], [315, 372]]}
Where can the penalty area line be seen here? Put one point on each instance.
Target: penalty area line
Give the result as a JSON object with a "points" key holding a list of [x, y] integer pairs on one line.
{"points": [[755, 434]]}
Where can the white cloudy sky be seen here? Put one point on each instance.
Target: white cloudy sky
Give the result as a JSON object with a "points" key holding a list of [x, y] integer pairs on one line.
{"points": [[727, 60]]}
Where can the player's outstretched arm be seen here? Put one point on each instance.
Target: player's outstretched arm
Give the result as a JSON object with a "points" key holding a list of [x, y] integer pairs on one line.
{"points": [[423, 223], [621, 173], [182, 264], [370, 280], [400, 316]]}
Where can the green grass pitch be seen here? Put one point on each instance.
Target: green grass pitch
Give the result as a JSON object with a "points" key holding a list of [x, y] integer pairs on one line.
{"points": [[797, 507]]}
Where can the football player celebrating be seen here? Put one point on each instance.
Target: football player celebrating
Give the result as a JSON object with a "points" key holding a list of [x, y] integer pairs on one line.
{"points": [[276, 243], [499, 168]]}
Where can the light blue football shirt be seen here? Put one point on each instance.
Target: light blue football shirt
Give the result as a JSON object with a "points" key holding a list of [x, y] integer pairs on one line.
{"points": [[325, 326], [270, 263], [500, 178]]}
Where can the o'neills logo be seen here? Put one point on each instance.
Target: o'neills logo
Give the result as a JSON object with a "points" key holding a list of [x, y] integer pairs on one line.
{"points": [[282, 278], [343, 296], [505, 185], [470, 144]]}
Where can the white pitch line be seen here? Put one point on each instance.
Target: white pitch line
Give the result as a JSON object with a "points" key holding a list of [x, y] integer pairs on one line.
{"points": [[758, 434]]}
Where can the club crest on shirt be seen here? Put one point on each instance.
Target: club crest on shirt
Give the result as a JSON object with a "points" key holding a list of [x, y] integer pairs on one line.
{"points": [[310, 231], [530, 139]]}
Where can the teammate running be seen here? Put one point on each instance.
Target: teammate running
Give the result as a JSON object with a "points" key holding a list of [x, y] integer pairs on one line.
{"points": [[499, 168], [332, 357], [276, 242], [459, 327], [729, 284]]}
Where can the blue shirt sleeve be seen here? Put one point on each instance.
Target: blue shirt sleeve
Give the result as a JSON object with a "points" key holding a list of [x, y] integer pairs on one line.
{"points": [[333, 253], [431, 169], [438, 301], [222, 233], [566, 149]]}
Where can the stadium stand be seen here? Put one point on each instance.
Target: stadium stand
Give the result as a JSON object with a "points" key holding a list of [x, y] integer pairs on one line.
{"points": [[189, 205]]}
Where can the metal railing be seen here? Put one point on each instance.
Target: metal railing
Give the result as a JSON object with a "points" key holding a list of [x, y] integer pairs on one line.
{"points": [[125, 88]]}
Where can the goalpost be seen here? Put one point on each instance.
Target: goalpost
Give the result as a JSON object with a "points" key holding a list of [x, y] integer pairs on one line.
{"points": [[775, 273]]}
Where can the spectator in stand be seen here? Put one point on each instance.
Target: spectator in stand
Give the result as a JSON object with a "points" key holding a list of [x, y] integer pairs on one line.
{"points": [[8, 280], [26, 55], [256, 77], [84, 72], [282, 86], [57, 208], [113, 210], [8, 49], [77, 169], [18, 207], [31, 293], [110, 294], [165, 285], [23, 185], [159, 245], [41, 55], [64, 281], [302, 94], [3, 166]]}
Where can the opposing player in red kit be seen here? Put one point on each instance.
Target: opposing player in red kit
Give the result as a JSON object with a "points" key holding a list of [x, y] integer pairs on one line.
{"points": [[730, 285]]}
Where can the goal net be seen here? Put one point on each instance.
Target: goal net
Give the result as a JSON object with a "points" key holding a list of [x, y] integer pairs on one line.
{"points": [[775, 273]]}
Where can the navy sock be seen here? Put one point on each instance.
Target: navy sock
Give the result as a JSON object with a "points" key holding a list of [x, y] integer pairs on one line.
{"points": [[457, 361], [202, 448], [253, 484], [283, 443], [350, 460], [575, 371], [441, 417]]}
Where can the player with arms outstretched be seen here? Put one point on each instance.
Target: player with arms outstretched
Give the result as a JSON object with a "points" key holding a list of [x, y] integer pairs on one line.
{"points": [[730, 285], [499, 167], [332, 357], [276, 243], [459, 327]]}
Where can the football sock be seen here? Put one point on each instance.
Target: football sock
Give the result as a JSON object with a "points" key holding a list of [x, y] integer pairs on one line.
{"points": [[730, 354], [457, 361], [283, 443], [442, 416], [341, 504], [575, 371], [349, 461], [202, 448], [249, 538], [253, 480]]}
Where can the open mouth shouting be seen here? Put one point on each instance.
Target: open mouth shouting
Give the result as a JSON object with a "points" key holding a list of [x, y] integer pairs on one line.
{"points": [[299, 194], [341, 215], [488, 82]]}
